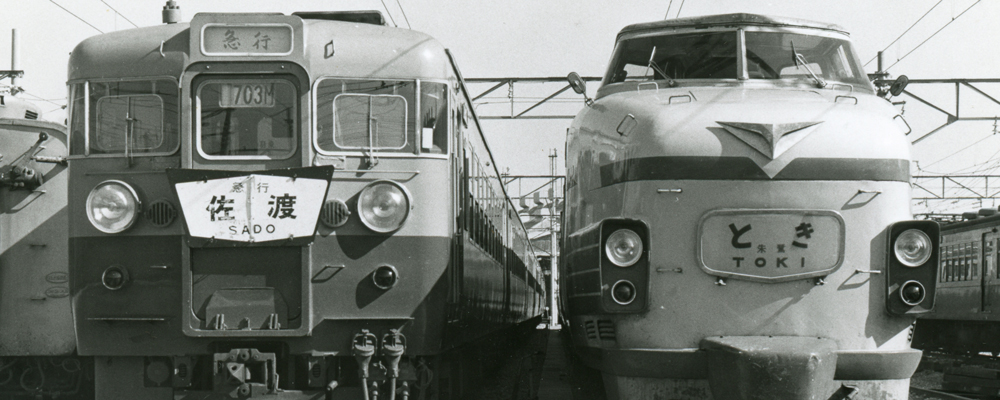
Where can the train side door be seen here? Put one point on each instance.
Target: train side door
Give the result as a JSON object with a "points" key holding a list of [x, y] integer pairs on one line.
{"points": [[990, 283]]}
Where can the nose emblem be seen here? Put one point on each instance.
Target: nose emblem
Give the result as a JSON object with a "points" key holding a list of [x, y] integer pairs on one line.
{"points": [[771, 140]]}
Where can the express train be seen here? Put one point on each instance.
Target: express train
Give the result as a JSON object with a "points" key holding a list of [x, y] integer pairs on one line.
{"points": [[737, 220], [286, 206], [37, 345], [968, 288]]}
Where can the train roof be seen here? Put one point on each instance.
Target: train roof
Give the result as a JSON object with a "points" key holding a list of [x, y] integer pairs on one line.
{"points": [[360, 49], [992, 220], [722, 20]]}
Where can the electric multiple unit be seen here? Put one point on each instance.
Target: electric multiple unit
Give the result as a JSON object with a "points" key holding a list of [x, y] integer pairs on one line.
{"points": [[286, 206], [968, 289], [737, 220], [37, 346]]}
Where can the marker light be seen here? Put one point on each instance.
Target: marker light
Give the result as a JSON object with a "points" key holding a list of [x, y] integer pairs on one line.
{"points": [[623, 292], [383, 206], [114, 277], [912, 293], [912, 247], [624, 247], [112, 206], [385, 277]]}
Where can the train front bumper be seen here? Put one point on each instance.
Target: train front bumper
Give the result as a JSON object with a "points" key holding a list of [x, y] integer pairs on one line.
{"points": [[740, 361]]}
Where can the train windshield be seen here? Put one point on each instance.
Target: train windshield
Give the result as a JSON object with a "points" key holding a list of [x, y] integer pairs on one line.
{"points": [[783, 55], [770, 55], [125, 118], [380, 115], [682, 56], [246, 118]]}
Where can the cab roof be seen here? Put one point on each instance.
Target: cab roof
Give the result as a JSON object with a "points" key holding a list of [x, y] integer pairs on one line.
{"points": [[722, 20]]}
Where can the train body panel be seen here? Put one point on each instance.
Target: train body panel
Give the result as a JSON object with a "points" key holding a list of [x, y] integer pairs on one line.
{"points": [[32, 246], [362, 211], [968, 290], [727, 225]]}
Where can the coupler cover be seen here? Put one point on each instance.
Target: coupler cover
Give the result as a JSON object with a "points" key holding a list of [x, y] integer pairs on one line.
{"points": [[771, 367]]}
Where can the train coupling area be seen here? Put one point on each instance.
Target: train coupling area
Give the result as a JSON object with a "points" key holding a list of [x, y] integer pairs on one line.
{"points": [[245, 373]]}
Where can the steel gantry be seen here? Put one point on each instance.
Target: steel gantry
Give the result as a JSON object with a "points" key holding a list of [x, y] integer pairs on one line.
{"points": [[535, 91]]}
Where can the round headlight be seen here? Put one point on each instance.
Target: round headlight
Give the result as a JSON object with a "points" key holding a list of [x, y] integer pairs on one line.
{"points": [[624, 247], [383, 206], [112, 206], [913, 248]]}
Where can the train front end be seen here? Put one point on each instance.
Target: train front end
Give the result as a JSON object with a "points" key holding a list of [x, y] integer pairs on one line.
{"points": [[256, 210], [737, 218]]}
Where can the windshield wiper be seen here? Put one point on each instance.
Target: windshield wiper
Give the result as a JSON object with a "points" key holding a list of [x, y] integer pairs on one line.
{"points": [[800, 59], [652, 64]]}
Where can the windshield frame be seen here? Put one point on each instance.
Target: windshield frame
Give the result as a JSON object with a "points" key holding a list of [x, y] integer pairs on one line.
{"points": [[608, 87], [196, 114]]}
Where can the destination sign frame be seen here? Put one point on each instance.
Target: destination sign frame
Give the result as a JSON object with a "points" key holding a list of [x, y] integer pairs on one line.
{"points": [[244, 40], [770, 245]]}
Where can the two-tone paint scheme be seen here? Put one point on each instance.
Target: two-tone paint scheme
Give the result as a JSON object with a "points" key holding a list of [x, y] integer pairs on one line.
{"points": [[731, 218], [220, 287], [968, 289], [37, 345]]}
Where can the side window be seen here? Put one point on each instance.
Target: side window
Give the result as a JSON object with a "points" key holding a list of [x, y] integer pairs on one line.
{"points": [[77, 120], [135, 117], [434, 117]]}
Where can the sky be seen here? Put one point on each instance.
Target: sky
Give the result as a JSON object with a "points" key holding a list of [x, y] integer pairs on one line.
{"points": [[535, 38]]}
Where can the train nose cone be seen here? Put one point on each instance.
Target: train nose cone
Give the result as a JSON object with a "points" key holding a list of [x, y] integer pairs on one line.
{"points": [[773, 368]]}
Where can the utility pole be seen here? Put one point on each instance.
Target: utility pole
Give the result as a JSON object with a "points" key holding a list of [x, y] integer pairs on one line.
{"points": [[553, 247]]}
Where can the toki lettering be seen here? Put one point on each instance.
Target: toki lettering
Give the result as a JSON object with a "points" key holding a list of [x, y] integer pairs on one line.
{"points": [[736, 236]]}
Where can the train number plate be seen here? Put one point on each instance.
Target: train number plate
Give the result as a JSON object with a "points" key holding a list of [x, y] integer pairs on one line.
{"points": [[252, 208], [771, 245], [247, 95]]}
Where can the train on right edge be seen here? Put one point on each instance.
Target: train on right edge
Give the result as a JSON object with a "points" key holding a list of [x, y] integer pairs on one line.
{"points": [[966, 316], [737, 221]]}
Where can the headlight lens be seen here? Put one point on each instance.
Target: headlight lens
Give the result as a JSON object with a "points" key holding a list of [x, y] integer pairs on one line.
{"points": [[624, 247], [383, 206], [112, 206], [912, 248]]}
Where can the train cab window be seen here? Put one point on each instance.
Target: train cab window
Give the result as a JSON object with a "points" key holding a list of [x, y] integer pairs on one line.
{"points": [[125, 117], [434, 117], [362, 115], [246, 118], [705, 55], [784, 55]]}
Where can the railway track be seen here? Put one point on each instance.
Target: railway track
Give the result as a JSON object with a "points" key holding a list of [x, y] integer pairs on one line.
{"points": [[943, 375], [917, 393]]}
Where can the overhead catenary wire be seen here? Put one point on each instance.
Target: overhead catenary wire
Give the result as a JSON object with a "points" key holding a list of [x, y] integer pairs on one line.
{"points": [[904, 32], [935, 33], [404, 15], [959, 151], [77, 16], [42, 99], [119, 13], [389, 13]]}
